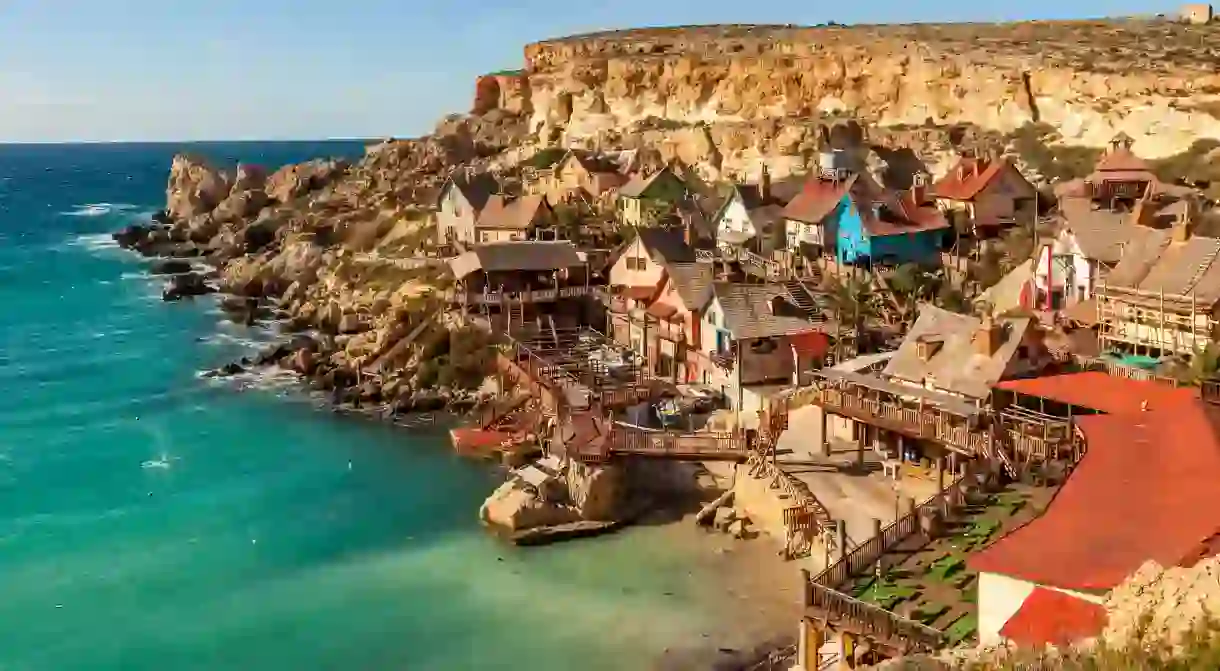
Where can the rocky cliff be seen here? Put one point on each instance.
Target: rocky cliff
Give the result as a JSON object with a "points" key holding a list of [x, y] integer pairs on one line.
{"points": [[728, 96]]}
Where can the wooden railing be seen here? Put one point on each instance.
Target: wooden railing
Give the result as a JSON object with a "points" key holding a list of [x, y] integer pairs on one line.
{"points": [[718, 445], [1115, 369], [871, 621], [503, 297], [928, 423], [864, 556]]}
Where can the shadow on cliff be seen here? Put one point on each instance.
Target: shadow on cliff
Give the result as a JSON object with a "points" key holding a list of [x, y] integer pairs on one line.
{"points": [[901, 166]]}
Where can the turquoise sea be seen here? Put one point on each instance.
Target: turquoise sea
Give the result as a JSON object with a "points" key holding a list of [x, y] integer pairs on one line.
{"points": [[151, 519]]}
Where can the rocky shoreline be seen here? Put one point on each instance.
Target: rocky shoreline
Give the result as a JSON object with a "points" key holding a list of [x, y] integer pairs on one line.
{"points": [[300, 249]]}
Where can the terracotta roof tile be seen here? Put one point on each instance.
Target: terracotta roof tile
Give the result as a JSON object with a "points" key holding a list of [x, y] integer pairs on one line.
{"points": [[966, 179], [817, 199], [1104, 393], [1145, 488], [1050, 617]]}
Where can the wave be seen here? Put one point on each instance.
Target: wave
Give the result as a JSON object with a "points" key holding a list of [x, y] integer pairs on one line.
{"points": [[99, 209], [93, 242]]}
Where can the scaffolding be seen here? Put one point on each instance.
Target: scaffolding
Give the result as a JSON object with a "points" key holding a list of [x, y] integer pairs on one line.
{"points": [[1153, 323]]}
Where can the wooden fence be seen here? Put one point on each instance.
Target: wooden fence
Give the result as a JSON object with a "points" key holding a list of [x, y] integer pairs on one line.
{"points": [[873, 622], [865, 555]]}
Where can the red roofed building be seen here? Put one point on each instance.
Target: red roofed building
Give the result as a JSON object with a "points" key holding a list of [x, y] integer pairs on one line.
{"points": [[1051, 617], [1145, 489], [983, 195]]}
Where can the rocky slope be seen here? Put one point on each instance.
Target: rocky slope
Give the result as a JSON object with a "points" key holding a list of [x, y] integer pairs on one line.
{"points": [[332, 249], [725, 87]]}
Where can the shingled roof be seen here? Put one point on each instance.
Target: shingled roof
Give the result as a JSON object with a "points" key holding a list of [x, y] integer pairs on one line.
{"points": [[525, 256], [693, 282], [955, 365], [505, 213], [969, 177], [748, 311]]}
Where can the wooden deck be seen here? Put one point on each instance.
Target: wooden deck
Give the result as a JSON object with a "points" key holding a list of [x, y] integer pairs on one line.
{"points": [[1013, 437]]}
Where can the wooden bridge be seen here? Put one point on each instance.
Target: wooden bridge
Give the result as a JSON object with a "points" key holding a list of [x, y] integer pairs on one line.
{"points": [[616, 439]]}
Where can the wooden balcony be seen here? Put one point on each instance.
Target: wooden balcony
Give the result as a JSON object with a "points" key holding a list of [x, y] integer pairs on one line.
{"points": [[515, 297], [910, 411]]}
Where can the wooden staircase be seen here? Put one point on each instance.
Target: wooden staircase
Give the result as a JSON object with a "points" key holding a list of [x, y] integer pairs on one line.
{"points": [[800, 296], [516, 316]]}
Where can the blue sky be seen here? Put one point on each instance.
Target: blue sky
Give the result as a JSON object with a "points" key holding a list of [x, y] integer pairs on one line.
{"points": [[246, 69]]}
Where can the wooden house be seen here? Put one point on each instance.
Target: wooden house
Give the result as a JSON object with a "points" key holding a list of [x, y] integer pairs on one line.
{"points": [[756, 342], [966, 356], [1118, 181], [647, 200], [982, 196], [458, 205], [512, 283], [582, 174], [1143, 491], [1163, 296], [893, 228], [507, 219], [751, 215]]}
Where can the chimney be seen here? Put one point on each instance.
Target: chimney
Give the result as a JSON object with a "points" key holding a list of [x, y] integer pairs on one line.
{"points": [[919, 189], [988, 337], [687, 235], [1185, 224], [764, 184]]}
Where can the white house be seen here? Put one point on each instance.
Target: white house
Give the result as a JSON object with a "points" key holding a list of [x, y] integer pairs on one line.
{"points": [[755, 343], [751, 216]]}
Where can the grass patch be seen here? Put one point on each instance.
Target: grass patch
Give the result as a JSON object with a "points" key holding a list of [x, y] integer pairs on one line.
{"points": [[962, 629], [928, 613], [946, 567], [887, 595]]}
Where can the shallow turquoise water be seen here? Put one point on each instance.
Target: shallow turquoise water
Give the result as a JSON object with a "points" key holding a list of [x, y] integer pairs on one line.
{"points": [[150, 519]]}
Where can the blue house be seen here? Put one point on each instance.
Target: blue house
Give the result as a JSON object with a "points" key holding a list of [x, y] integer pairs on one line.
{"points": [[858, 222], [899, 227]]}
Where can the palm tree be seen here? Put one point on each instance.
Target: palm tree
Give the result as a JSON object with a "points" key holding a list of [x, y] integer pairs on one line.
{"points": [[1205, 362]]}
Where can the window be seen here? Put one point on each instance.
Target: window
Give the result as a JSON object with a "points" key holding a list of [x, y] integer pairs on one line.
{"points": [[636, 263]]}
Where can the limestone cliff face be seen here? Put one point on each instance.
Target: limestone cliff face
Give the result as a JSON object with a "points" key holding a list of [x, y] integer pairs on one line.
{"points": [[1089, 81]]}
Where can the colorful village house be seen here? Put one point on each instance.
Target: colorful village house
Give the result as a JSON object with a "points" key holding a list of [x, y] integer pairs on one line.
{"points": [[811, 217], [751, 215], [508, 219], [650, 200], [658, 292], [894, 228], [583, 175], [981, 196], [459, 203], [757, 343]]}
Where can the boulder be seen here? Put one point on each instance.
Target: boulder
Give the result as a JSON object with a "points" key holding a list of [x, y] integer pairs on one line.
{"points": [[194, 188], [170, 267], [132, 236], [515, 506], [723, 518], [184, 286], [293, 181]]}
